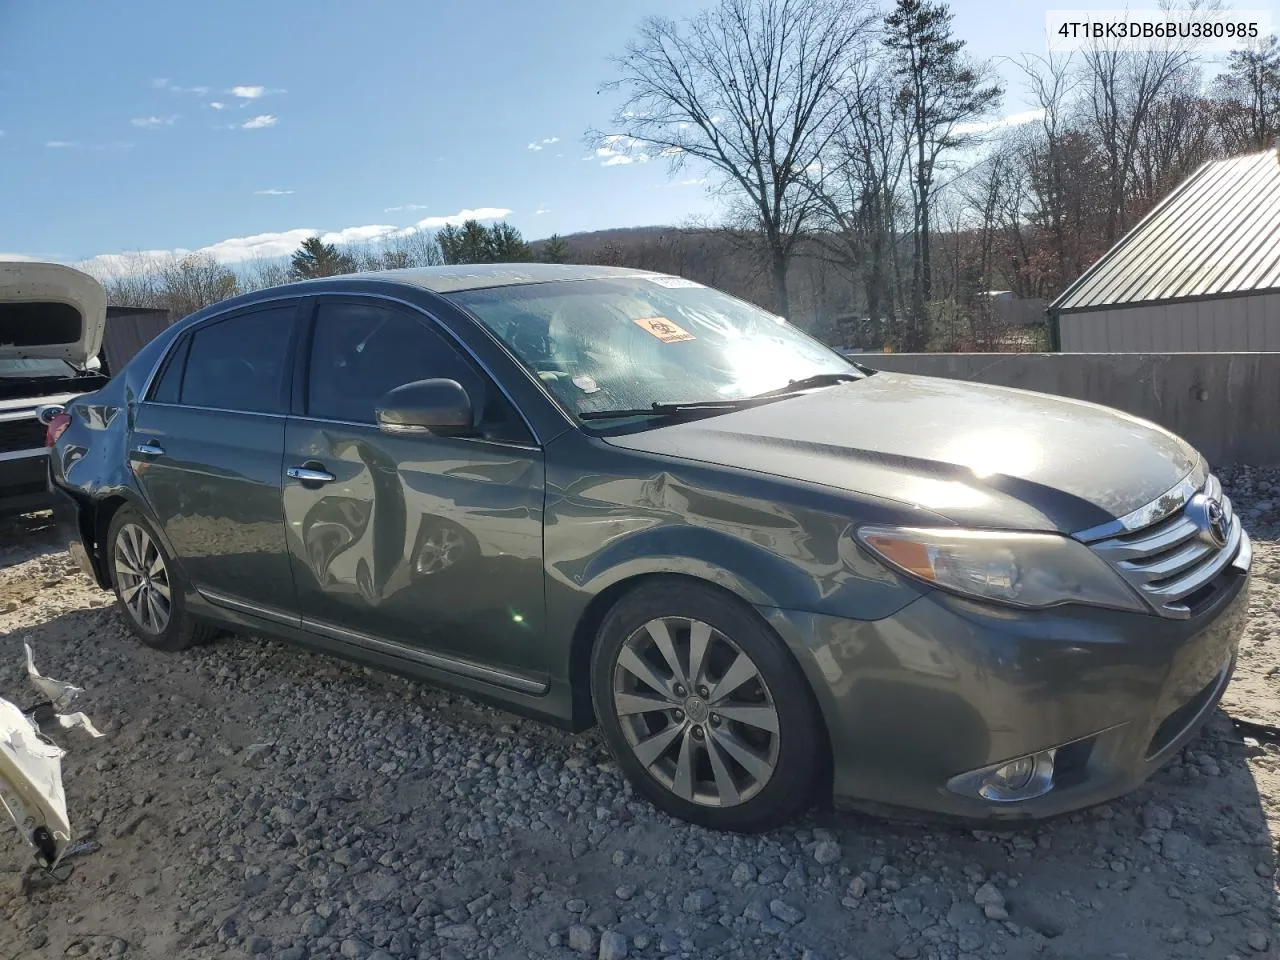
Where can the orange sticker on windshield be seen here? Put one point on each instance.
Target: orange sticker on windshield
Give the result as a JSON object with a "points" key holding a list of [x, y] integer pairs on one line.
{"points": [[665, 330]]}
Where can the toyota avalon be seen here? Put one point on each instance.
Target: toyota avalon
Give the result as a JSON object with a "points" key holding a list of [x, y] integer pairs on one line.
{"points": [[596, 495]]}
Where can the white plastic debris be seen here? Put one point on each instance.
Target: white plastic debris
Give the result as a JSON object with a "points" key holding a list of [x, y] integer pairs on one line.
{"points": [[59, 692], [31, 790]]}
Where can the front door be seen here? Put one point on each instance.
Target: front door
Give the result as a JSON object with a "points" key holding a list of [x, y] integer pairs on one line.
{"points": [[206, 446], [412, 544]]}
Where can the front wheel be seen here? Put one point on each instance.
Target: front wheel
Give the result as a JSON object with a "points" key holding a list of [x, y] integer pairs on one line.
{"points": [[704, 708]]}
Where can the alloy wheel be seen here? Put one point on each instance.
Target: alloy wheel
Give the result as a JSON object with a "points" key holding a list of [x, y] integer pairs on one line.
{"points": [[696, 712], [142, 578]]}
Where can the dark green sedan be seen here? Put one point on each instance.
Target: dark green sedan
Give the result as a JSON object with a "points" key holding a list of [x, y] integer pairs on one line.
{"points": [[596, 495]]}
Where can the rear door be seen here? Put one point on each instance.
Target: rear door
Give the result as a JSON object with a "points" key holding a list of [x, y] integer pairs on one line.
{"points": [[206, 446], [424, 547]]}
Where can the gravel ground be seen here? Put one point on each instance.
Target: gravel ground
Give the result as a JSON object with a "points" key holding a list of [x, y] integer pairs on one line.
{"points": [[252, 799]]}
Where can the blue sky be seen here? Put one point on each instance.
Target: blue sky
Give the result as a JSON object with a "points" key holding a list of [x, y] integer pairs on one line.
{"points": [[149, 125]]}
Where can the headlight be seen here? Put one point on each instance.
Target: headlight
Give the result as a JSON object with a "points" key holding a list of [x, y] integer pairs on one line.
{"points": [[1023, 569]]}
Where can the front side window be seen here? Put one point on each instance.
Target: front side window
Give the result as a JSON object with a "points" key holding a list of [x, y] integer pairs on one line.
{"points": [[362, 350], [238, 363], [629, 343]]}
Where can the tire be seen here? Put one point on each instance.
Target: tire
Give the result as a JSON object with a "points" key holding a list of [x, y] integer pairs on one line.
{"points": [[705, 755], [163, 623]]}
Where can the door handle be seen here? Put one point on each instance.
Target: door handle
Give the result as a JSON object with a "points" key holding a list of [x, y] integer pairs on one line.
{"points": [[310, 475], [149, 448]]}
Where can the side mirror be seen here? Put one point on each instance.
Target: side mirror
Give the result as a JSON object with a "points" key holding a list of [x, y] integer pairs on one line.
{"points": [[437, 407]]}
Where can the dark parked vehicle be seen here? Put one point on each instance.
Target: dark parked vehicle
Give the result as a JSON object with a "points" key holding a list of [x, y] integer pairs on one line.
{"points": [[593, 494], [51, 321]]}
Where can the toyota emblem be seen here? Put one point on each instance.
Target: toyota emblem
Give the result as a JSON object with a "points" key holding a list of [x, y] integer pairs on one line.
{"points": [[1210, 519]]}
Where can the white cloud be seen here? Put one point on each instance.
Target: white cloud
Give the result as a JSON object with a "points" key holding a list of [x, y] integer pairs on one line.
{"points": [[692, 182], [152, 122], [456, 219], [617, 151], [535, 146], [60, 144], [217, 105], [405, 207], [541, 210], [272, 192], [24, 258], [544, 142], [163, 84], [279, 244], [260, 122], [987, 126], [247, 93]]}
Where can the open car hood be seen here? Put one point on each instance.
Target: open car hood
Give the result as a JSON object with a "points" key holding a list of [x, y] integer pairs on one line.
{"points": [[51, 311]]}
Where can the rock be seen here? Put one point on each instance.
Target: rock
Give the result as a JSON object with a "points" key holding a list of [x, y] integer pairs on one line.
{"points": [[857, 888], [1156, 817], [613, 946], [457, 931], [1200, 936], [969, 941], [582, 939], [353, 949], [826, 852], [1175, 846], [1174, 934], [994, 912], [988, 896], [699, 901], [255, 755], [786, 912], [908, 951], [1257, 940], [743, 873]]}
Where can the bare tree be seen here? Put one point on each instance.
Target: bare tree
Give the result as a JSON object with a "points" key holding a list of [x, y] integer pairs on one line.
{"points": [[860, 189], [1124, 87], [749, 87], [940, 90], [1251, 85]]}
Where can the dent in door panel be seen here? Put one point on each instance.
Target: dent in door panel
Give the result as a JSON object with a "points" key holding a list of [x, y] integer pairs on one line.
{"points": [[425, 541]]}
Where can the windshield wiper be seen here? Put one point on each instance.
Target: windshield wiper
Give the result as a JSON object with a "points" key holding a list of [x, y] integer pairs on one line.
{"points": [[808, 383], [667, 409]]}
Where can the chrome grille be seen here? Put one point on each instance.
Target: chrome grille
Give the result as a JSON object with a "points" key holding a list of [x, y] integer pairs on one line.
{"points": [[1173, 559]]}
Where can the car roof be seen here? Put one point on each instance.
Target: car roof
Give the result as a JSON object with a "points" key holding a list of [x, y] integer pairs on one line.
{"points": [[479, 276]]}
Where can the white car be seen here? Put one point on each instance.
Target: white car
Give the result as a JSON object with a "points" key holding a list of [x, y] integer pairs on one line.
{"points": [[51, 323]]}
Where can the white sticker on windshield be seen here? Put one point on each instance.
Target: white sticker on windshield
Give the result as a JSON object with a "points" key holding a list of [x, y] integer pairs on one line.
{"points": [[586, 384], [673, 282]]}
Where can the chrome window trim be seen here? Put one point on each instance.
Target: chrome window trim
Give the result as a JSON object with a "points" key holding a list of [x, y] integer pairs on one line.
{"points": [[192, 406], [30, 453], [439, 661], [434, 321], [374, 427], [1165, 505]]}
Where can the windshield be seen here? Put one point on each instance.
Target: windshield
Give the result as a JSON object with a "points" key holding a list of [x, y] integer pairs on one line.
{"points": [[24, 369], [626, 344]]}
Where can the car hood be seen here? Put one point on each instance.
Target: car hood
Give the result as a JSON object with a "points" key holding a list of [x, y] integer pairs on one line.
{"points": [[51, 311], [977, 455]]}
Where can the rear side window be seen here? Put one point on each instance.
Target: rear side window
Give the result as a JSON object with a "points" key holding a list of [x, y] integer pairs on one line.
{"points": [[169, 387], [239, 363]]}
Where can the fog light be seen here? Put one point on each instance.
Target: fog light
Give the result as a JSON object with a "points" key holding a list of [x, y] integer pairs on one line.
{"points": [[1020, 779]]}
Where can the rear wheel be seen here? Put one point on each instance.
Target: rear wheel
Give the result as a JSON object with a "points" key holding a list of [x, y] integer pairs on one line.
{"points": [[704, 708], [149, 586]]}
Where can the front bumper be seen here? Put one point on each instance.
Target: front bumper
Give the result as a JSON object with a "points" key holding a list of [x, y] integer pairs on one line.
{"points": [[23, 487], [946, 686]]}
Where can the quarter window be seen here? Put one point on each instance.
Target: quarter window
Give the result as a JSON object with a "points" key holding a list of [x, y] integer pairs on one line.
{"points": [[239, 363]]}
